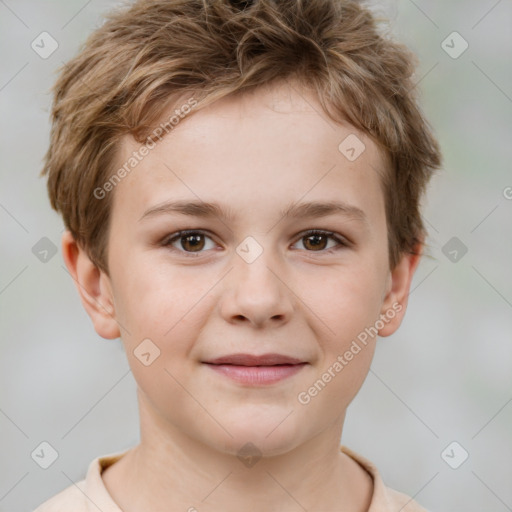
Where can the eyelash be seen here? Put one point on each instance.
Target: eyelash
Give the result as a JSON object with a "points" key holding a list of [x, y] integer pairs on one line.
{"points": [[342, 241]]}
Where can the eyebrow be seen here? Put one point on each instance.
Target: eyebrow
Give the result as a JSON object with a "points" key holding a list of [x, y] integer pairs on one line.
{"points": [[314, 209]]}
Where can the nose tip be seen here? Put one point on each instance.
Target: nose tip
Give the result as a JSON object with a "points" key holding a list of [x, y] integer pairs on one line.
{"points": [[254, 292]]}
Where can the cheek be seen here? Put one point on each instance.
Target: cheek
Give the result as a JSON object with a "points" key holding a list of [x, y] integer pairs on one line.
{"points": [[142, 295], [346, 301], [162, 307], [347, 305], [160, 302]]}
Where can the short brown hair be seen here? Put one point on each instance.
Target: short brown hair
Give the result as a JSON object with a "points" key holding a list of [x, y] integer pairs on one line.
{"points": [[148, 54]]}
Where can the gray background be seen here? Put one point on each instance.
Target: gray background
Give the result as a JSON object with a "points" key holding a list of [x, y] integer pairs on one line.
{"points": [[444, 376]]}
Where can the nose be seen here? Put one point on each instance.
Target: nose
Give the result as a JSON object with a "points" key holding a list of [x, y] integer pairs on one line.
{"points": [[256, 293]]}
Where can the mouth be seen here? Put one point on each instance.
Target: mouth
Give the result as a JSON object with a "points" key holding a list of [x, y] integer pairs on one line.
{"points": [[256, 370]]}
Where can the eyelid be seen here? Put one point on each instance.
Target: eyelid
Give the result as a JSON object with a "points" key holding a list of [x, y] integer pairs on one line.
{"points": [[342, 241], [169, 239]]}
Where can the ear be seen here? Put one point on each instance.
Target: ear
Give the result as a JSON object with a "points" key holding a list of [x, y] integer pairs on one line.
{"points": [[397, 292], [93, 286]]}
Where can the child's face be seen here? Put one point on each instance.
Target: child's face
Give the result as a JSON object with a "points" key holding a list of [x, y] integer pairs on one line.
{"points": [[253, 157]]}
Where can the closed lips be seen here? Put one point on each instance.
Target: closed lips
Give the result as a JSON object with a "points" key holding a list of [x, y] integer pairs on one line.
{"points": [[254, 360], [254, 371]]}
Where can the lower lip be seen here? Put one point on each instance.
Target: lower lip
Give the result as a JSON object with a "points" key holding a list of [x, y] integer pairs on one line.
{"points": [[257, 375]]}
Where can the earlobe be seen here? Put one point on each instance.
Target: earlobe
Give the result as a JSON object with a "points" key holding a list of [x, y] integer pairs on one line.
{"points": [[93, 286], [395, 302]]}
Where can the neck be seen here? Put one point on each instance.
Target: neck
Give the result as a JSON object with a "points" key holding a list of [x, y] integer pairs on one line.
{"points": [[170, 470]]}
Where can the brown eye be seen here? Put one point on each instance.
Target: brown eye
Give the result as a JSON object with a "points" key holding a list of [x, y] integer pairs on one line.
{"points": [[318, 241], [315, 242], [192, 242], [189, 242]]}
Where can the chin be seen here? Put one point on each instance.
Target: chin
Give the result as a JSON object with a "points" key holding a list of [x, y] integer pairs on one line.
{"points": [[264, 436]]}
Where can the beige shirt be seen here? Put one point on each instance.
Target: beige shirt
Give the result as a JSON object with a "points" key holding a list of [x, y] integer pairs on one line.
{"points": [[91, 495]]}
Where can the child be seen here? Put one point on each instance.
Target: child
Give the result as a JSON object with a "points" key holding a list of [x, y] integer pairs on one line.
{"points": [[240, 183]]}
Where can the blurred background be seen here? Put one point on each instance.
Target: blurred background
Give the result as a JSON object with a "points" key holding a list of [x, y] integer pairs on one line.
{"points": [[435, 413]]}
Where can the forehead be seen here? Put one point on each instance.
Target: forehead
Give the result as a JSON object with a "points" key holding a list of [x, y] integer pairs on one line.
{"points": [[255, 152]]}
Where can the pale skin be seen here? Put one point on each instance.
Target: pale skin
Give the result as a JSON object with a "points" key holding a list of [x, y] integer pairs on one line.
{"points": [[254, 156]]}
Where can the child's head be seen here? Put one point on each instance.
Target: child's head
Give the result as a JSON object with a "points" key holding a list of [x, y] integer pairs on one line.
{"points": [[160, 52], [249, 111]]}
